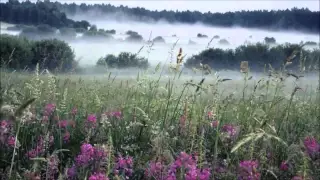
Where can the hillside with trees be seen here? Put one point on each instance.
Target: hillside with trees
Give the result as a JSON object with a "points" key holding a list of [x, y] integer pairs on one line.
{"points": [[56, 15]]}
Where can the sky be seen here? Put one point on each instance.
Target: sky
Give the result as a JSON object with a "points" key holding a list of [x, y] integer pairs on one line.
{"points": [[208, 5]]}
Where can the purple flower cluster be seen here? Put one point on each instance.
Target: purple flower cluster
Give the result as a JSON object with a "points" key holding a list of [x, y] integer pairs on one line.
{"points": [[248, 170], [5, 137], [49, 108], [229, 129], [116, 114], [156, 170], [189, 164], [53, 162], [40, 147], [312, 147], [91, 121], [88, 156], [98, 176], [284, 166], [124, 166]]}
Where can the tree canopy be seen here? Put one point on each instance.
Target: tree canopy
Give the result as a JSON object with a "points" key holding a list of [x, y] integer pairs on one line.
{"points": [[55, 14]]}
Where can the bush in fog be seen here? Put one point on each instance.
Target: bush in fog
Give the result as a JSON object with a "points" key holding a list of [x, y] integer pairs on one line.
{"points": [[310, 43], [191, 42], [80, 30], [112, 31], [216, 37], [134, 38], [199, 35], [258, 55], [96, 35], [159, 39], [131, 33], [223, 42], [53, 54], [39, 32], [123, 60], [268, 40], [69, 33], [19, 53]]}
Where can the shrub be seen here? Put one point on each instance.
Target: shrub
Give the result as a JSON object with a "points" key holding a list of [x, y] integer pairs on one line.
{"points": [[134, 38], [15, 52], [258, 55], [96, 35], [53, 54], [199, 35], [112, 31], [159, 39], [268, 40], [216, 37], [130, 33], [124, 60], [223, 42]]}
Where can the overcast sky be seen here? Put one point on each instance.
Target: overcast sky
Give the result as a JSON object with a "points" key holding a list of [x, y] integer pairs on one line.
{"points": [[209, 5]]}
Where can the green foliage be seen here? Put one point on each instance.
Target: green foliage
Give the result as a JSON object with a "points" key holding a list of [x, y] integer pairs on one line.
{"points": [[37, 13], [19, 53], [124, 60], [15, 52], [258, 55], [53, 55]]}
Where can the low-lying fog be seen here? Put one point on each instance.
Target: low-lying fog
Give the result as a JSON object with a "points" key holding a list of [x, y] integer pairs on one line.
{"points": [[90, 52]]}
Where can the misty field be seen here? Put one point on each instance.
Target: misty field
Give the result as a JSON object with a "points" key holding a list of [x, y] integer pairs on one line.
{"points": [[154, 126]]}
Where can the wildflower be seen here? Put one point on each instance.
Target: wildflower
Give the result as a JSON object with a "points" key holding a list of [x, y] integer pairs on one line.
{"points": [[284, 166], [156, 170], [71, 172], [92, 119], [63, 124], [98, 176], [312, 146], [4, 124], [297, 178], [45, 119], [74, 111], [229, 129], [124, 165], [116, 114], [204, 174], [11, 141], [49, 108], [214, 124], [87, 149], [99, 153], [248, 170], [66, 137], [52, 170]]}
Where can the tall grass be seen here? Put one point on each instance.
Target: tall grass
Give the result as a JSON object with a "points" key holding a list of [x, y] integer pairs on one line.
{"points": [[217, 129]]}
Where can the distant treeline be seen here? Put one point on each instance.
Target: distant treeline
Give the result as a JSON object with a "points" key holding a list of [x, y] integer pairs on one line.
{"points": [[20, 53], [54, 14], [259, 56]]}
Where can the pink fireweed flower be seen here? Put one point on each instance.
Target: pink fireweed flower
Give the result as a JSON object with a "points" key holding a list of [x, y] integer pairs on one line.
{"points": [[4, 124], [74, 111], [214, 124], [66, 137], [312, 146], [124, 165], [11, 141], [116, 114], [92, 119], [204, 174], [248, 170], [98, 176], [71, 172], [297, 178], [156, 170], [284, 166], [87, 149], [63, 124], [230, 129], [49, 108]]}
